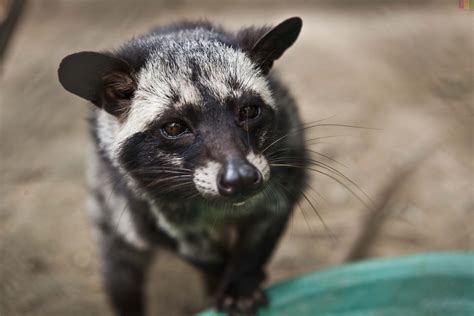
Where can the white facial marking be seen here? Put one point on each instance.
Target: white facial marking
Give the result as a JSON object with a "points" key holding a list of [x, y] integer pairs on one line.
{"points": [[176, 160], [205, 178], [261, 163], [156, 88]]}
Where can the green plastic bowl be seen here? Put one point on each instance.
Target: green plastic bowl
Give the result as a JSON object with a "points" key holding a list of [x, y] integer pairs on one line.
{"points": [[436, 284]]}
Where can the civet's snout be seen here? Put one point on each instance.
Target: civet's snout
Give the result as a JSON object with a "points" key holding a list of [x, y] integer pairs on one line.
{"points": [[239, 178]]}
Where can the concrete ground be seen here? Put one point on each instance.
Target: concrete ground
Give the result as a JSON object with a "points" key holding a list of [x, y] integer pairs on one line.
{"points": [[404, 68]]}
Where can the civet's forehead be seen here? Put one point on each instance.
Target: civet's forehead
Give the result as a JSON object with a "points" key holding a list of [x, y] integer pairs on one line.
{"points": [[190, 67]]}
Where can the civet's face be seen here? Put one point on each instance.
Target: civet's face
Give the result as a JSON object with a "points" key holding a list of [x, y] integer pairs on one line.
{"points": [[208, 121], [194, 120]]}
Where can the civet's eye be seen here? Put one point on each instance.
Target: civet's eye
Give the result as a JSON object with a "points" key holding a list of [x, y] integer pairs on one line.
{"points": [[174, 130], [249, 112]]}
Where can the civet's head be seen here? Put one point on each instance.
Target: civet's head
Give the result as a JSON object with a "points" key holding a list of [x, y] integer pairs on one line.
{"points": [[186, 111]]}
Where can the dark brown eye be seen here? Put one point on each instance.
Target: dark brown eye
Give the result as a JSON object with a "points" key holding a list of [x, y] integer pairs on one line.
{"points": [[249, 112], [173, 129]]}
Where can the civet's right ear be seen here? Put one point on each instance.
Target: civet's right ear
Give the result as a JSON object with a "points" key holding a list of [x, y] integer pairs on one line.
{"points": [[106, 81], [273, 44]]}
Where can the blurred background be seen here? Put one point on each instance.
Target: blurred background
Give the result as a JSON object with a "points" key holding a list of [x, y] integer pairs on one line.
{"points": [[403, 67]]}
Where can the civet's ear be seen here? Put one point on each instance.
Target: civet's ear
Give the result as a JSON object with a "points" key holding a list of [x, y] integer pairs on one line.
{"points": [[106, 81], [273, 44]]}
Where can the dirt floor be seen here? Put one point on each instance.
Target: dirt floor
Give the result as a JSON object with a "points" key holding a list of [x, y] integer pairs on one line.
{"points": [[404, 69]]}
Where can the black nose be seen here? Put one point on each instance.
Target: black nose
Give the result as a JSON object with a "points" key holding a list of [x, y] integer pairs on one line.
{"points": [[239, 178]]}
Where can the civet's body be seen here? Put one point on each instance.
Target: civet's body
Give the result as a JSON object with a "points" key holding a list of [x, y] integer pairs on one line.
{"points": [[192, 133]]}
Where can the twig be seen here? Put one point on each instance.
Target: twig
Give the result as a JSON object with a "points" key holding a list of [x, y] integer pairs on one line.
{"points": [[381, 210], [14, 10]]}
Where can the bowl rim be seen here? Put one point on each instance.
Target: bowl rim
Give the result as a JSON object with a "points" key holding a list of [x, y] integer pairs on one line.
{"points": [[447, 264]]}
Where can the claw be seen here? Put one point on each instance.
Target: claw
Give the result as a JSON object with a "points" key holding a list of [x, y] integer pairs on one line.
{"points": [[246, 305]]}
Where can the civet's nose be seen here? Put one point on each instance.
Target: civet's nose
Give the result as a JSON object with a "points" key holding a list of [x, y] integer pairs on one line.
{"points": [[239, 178]]}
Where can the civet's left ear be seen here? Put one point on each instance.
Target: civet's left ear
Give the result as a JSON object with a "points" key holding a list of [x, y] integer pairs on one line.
{"points": [[273, 44]]}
